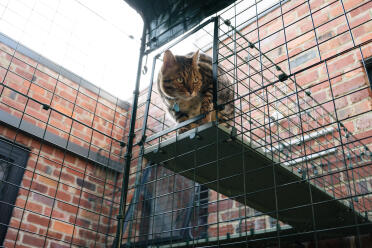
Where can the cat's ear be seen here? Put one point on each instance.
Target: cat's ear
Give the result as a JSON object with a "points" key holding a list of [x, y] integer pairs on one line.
{"points": [[168, 60], [195, 59]]}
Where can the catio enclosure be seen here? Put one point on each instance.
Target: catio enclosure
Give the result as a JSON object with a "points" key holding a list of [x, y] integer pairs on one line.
{"points": [[81, 168]]}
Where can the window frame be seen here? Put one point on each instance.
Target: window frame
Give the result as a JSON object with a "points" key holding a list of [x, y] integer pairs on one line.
{"points": [[368, 67], [19, 155]]}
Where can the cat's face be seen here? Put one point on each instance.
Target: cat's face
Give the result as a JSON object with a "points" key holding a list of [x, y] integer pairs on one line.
{"points": [[179, 75]]}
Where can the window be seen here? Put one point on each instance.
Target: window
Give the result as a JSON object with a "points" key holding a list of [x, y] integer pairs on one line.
{"points": [[368, 63], [170, 207], [174, 208], [13, 160]]}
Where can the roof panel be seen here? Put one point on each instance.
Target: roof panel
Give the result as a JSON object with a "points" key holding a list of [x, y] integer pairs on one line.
{"points": [[168, 19]]}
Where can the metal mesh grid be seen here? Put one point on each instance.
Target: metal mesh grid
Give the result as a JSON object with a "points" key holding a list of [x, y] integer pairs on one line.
{"points": [[302, 99], [68, 190]]}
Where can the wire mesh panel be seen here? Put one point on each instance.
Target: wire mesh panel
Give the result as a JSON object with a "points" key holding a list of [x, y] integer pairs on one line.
{"points": [[292, 166], [61, 153]]}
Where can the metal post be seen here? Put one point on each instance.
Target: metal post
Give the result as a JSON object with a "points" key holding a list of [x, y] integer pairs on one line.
{"points": [[215, 63], [128, 155], [142, 144]]}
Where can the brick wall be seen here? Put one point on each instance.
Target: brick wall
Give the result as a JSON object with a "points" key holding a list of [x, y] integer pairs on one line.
{"points": [[71, 185], [298, 47]]}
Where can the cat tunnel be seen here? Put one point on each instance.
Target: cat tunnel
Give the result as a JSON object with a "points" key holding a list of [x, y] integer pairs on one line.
{"points": [[230, 163]]}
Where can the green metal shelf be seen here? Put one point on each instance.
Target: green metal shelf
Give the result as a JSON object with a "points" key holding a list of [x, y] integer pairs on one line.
{"points": [[236, 168]]}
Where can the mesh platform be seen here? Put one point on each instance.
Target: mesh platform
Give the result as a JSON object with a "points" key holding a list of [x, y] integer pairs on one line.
{"points": [[218, 158]]}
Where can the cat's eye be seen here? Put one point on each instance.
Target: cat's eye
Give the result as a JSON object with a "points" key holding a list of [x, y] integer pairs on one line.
{"points": [[180, 80], [196, 80]]}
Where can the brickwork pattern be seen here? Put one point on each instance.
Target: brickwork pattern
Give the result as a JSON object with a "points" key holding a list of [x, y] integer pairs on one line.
{"points": [[64, 198]]}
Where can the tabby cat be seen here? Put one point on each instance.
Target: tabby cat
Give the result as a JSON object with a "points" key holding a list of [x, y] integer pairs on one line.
{"points": [[185, 84]]}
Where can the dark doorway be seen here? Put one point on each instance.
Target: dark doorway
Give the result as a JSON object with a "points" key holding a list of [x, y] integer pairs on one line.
{"points": [[368, 64], [13, 160], [174, 209]]}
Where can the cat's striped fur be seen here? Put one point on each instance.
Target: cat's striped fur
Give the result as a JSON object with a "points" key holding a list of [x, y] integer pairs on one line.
{"points": [[185, 84]]}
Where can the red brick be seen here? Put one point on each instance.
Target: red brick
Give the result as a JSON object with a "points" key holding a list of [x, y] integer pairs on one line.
{"points": [[34, 207], [58, 245], [66, 92], [83, 222], [68, 82], [25, 59], [336, 10], [24, 73], [299, 40], [62, 106], [19, 63], [46, 201], [364, 122], [52, 192], [88, 93], [361, 9], [222, 205], [321, 17], [53, 234], [85, 204], [47, 181], [67, 207], [60, 121], [17, 213], [40, 115], [33, 240], [37, 219], [362, 107], [348, 86], [358, 21], [360, 95], [67, 177], [341, 103], [63, 196], [11, 234], [359, 32], [80, 242], [307, 77], [59, 215], [45, 80], [39, 187], [350, 4], [230, 215], [9, 243], [62, 227], [223, 230], [302, 10], [87, 234], [26, 183], [16, 82], [15, 223], [340, 62], [28, 227], [69, 158]]}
